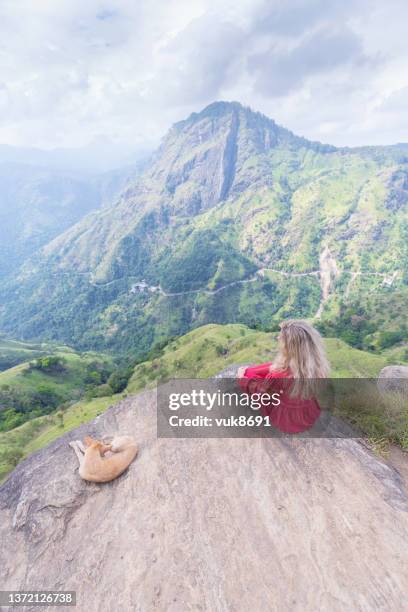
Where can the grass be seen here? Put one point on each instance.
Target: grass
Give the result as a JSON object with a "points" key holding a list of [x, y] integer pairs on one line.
{"points": [[29, 380], [13, 352], [211, 348], [381, 416], [19, 350], [397, 355], [67, 382]]}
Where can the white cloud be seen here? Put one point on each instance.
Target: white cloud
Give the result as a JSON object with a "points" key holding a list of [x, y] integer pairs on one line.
{"points": [[71, 71]]}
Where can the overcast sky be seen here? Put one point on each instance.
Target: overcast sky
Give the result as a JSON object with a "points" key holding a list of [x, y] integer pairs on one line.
{"points": [[76, 71]]}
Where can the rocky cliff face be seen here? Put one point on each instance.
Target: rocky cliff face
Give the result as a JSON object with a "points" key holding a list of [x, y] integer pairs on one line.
{"points": [[208, 524]]}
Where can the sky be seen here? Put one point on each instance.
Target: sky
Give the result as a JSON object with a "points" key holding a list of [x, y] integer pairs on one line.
{"points": [[91, 72]]}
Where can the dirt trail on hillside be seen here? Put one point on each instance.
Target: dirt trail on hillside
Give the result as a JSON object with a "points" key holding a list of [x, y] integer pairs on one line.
{"points": [[213, 525], [327, 273]]}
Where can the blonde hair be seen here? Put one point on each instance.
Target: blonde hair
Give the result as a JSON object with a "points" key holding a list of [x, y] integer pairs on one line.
{"points": [[302, 351]]}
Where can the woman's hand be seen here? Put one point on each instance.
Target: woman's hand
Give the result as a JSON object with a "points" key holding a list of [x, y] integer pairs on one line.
{"points": [[241, 371]]}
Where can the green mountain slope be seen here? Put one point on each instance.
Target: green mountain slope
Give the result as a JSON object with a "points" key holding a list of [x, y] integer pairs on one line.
{"points": [[13, 352], [234, 220]]}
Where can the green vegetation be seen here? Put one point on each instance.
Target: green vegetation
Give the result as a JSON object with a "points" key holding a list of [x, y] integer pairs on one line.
{"points": [[51, 364], [118, 380], [373, 323], [13, 352], [54, 381], [382, 418], [202, 257]]}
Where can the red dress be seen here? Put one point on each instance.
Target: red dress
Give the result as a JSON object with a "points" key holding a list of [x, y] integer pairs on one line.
{"points": [[293, 414]]}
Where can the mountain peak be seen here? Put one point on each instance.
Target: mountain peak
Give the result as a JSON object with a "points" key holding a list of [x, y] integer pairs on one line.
{"points": [[258, 123], [202, 160], [220, 108]]}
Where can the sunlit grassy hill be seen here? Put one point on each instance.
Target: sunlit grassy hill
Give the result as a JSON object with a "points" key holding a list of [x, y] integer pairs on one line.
{"points": [[71, 377], [13, 352], [208, 349], [38, 387]]}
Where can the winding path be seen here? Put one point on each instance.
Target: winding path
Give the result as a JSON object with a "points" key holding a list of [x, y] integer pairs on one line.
{"points": [[251, 279], [328, 272]]}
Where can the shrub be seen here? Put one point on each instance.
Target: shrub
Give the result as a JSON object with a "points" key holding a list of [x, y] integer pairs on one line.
{"points": [[118, 380], [51, 364], [221, 350], [9, 419], [389, 338], [93, 378], [102, 390]]}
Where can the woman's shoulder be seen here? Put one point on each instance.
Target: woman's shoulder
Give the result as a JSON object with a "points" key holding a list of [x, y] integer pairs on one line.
{"points": [[258, 370], [279, 372]]}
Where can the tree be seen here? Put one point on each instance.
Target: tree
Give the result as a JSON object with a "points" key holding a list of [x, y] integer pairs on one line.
{"points": [[93, 378], [50, 364], [118, 380]]}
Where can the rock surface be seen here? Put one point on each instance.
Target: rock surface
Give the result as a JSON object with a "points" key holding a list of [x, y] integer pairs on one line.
{"points": [[394, 378], [210, 525]]}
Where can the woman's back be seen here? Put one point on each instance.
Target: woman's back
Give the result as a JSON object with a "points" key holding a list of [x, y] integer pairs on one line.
{"points": [[300, 362], [293, 414]]}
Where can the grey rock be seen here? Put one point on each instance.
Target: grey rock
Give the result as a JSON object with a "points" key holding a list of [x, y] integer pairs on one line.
{"points": [[394, 378], [208, 524]]}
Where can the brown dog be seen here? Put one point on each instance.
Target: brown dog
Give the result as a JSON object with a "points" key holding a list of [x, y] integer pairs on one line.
{"points": [[95, 467]]}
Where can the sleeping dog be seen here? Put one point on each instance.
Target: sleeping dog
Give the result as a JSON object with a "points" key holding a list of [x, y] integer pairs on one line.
{"points": [[95, 467]]}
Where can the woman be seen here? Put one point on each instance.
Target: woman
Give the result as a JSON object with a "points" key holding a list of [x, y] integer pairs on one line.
{"points": [[300, 362]]}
